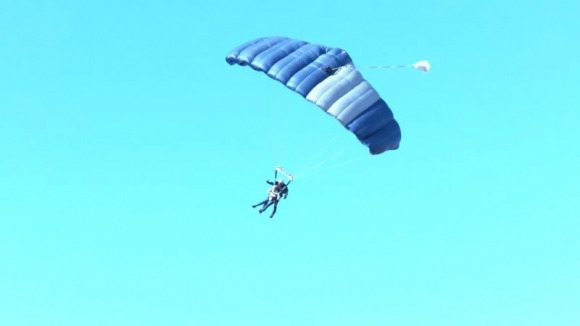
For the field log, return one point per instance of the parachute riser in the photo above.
(289, 176)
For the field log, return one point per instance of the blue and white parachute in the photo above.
(327, 77)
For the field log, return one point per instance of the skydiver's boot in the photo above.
(260, 211)
(271, 215)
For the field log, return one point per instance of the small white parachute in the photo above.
(422, 65)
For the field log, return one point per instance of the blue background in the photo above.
(130, 153)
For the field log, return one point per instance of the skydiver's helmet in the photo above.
(280, 182)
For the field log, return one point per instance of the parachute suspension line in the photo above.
(310, 160)
(279, 144)
(334, 159)
(337, 165)
(317, 166)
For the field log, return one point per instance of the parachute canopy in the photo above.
(327, 77)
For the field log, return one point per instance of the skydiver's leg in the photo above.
(270, 202)
(274, 210)
(267, 204)
(260, 203)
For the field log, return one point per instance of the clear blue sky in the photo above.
(130, 153)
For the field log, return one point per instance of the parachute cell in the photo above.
(327, 77)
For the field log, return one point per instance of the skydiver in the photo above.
(278, 190)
